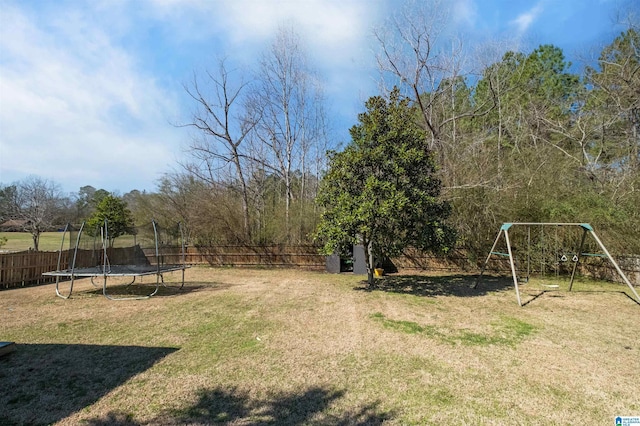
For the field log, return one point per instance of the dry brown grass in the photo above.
(292, 347)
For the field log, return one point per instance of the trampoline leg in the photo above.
(158, 277)
(58, 288)
(104, 292)
(181, 284)
(93, 283)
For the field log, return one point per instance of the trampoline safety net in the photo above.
(109, 251)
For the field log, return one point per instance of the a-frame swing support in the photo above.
(587, 229)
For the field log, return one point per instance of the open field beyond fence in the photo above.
(21, 241)
(293, 347)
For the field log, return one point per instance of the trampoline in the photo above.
(102, 253)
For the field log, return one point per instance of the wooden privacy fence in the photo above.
(26, 268)
(299, 256)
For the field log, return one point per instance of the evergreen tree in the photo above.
(381, 191)
(114, 211)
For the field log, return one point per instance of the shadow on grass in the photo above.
(448, 285)
(220, 406)
(144, 289)
(45, 383)
(564, 293)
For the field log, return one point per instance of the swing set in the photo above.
(556, 258)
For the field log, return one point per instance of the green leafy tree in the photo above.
(525, 153)
(119, 218)
(86, 201)
(615, 99)
(381, 191)
(533, 92)
(611, 119)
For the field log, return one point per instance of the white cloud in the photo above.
(75, 108)
(336, 34)
(524, 21)
(79, 106)
(336, 26)
(250, 21)
(464, 12)
(336, 31)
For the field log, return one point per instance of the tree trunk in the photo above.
(36, 239)
(245, 196)
(368, 244)
(287, 209)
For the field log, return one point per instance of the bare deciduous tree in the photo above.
(415, 57)
(289, 99)
(223, 123)
(39, 205)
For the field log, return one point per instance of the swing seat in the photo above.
(498, 253)
(593, 254)
(551, 285)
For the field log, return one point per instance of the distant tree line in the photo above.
(36, 205)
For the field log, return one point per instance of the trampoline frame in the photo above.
(106, 270)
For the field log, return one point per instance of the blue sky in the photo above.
(89, 89)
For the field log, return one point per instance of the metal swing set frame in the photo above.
(106, 270)
(587, 229)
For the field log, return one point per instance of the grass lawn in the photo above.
(271, 347)
(20, 241)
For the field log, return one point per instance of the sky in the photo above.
(91, 91)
